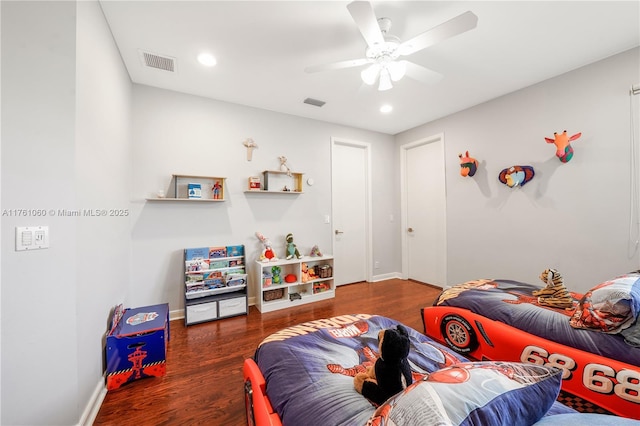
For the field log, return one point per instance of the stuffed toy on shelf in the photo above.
(267, 255)
(315, 251)
(275, 272)
(391, 372)
(308, 274)
(292, 250)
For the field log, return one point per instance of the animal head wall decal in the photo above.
(468, 165)
(516, 175)
(562, 141)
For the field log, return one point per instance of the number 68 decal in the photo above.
(596, 377)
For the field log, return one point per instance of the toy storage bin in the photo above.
(323, 271)
(320, 287)
(274, 294)
(267, 279)
(137, 345)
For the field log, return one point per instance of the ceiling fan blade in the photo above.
(458, 25)
(422, 74)
(362, 13)
(338, 65)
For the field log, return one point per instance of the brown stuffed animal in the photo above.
(391, 372)
(554, 294)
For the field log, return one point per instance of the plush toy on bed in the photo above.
(554, 294)
(391, 372)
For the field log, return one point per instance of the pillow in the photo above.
(475, 393)
(632, 335)
(611, 306)
(581, 419)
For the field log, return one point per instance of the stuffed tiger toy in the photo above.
(554, 294)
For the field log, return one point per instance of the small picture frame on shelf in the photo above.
(254, 183)
(194, 190)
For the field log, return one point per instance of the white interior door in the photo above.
(424, 207)
(351, 195)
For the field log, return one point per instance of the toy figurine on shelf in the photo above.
(275, 272)
(315, 251)
(292, 250)
(217, 187)
(283, 165)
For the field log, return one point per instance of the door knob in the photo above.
(410, 230)
(339, 232)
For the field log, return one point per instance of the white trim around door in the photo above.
(367, 219)
(404, 185)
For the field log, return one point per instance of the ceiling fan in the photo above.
(384, 50)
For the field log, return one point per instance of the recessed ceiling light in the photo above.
(207, 59)
(386, 109)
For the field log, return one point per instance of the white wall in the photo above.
(1, 234)
(184, 134)
(65, 145)
(39, 351)
(102, 181)
(574, 216)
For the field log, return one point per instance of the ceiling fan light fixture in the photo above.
(384, 50)
(385, 80)
(397, 70)
(370, 74)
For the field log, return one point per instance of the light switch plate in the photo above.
(32, 237)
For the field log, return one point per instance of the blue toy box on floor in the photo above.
(137, 344)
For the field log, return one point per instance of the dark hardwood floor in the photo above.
(204, 385)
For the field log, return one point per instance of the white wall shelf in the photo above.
(212, 189)
(272, 179)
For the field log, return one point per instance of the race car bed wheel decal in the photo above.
(458, 334)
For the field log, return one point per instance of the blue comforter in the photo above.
(512, 303)
(309, 368)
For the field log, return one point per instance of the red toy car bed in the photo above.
(502, 320)
(303, 375)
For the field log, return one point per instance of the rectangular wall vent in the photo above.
(160, 62)
(314, 102)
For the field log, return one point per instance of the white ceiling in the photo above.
(262, 48)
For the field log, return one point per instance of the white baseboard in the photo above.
(93, 406)
(389, 276)
(176, 315)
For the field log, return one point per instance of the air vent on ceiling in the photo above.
(314, 102)
(160, 62)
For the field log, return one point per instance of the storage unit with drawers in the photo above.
(215, 283)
